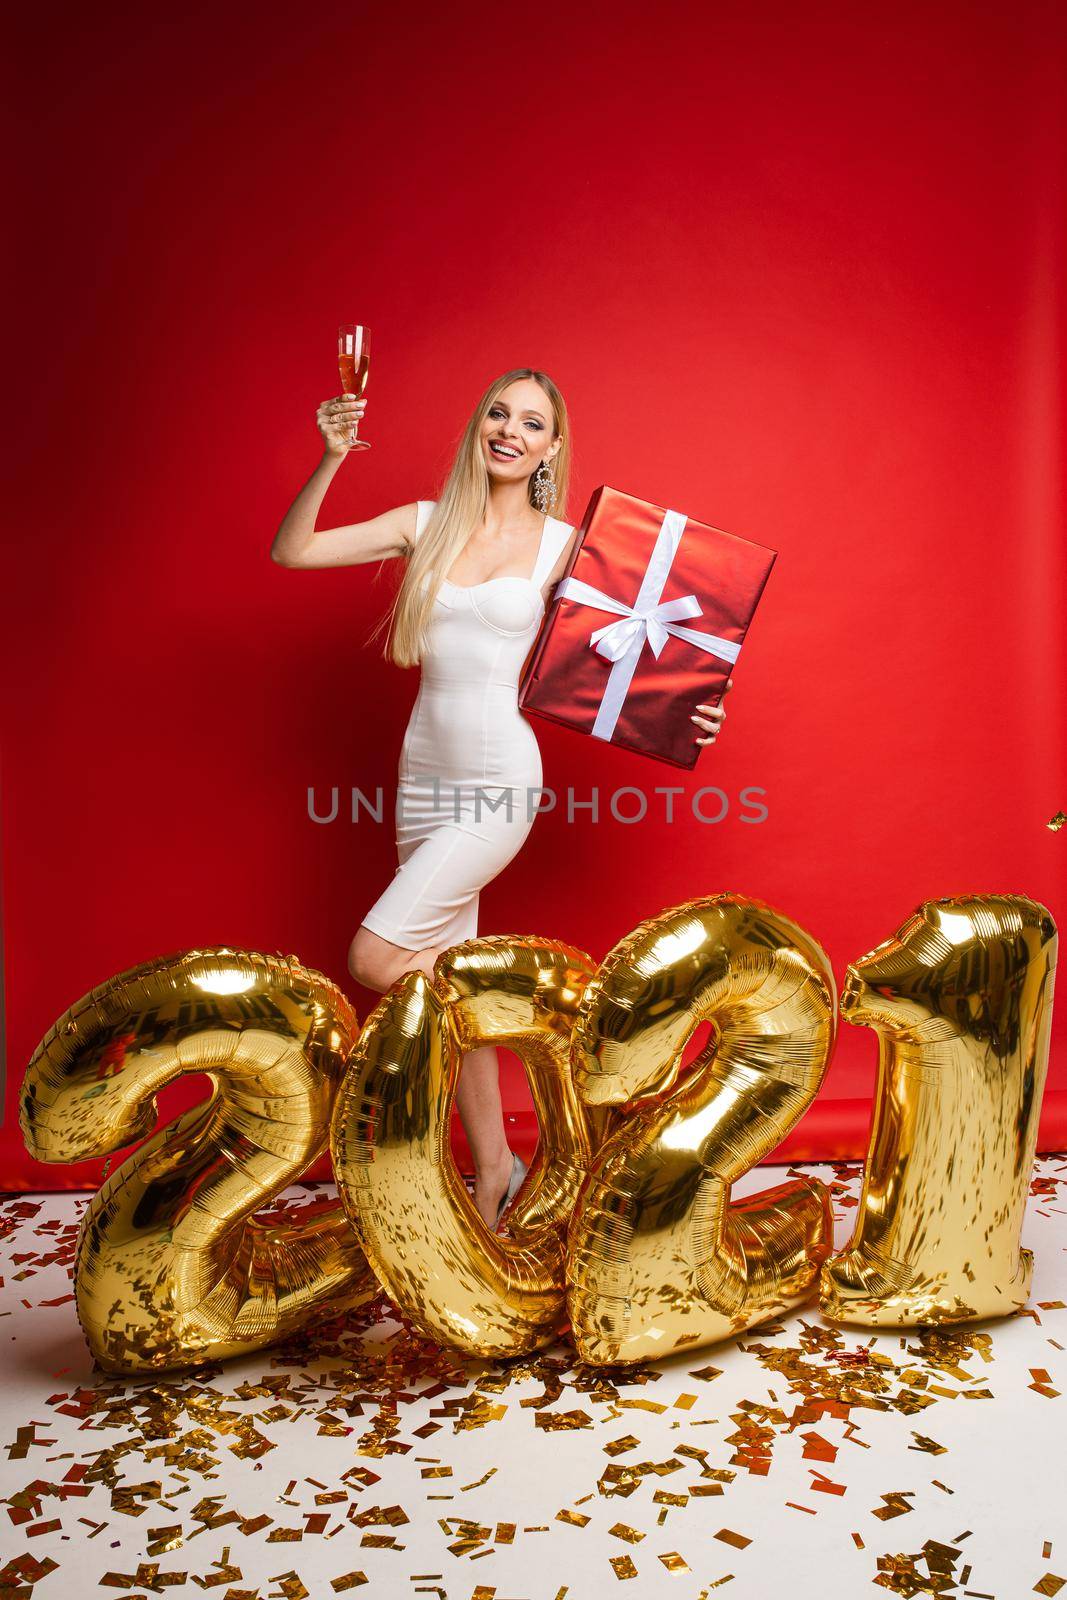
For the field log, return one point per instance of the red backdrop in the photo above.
(796, 272)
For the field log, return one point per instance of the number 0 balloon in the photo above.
(458, 1282)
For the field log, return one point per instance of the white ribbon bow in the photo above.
(648, 618)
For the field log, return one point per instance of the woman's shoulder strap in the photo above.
(423, 514)
(556, 537)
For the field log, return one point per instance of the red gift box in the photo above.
(646, 622)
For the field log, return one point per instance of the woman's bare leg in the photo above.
(482, 1115)
(377, 963)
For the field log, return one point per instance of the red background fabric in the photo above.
(797, 273)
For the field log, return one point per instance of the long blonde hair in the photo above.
(460, 508)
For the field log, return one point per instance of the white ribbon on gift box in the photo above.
(648, 618)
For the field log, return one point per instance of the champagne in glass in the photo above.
(353, 360)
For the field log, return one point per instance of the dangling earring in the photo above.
(544, 488)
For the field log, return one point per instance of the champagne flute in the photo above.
(353, 360)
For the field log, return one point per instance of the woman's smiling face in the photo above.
(517, 431)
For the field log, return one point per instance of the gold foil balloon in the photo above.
(458, 1282)
(172, 1267)
(657, 1258)
(961, 1000)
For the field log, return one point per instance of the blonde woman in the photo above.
(480, 564)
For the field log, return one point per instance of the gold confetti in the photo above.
(161, 1540)
(477, 1484)
(1042, 1383)
(292, 1588)
(381, 1390)
(931, 1446)
(563, 1420)
(728, 1536)
(896, 1505)
(900, 1572)
(395, 1516)
(674, 1562)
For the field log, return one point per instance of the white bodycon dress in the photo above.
(469, 756)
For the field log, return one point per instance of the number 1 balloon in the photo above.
(961, 1000)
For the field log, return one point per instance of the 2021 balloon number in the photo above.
(624, 1231)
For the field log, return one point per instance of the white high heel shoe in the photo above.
(519, 1170)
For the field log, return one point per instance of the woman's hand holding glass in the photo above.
(336, 419)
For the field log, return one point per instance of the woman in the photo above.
(481, 563)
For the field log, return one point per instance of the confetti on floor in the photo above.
(386, 1466)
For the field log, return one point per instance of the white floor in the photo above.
(798, 1461)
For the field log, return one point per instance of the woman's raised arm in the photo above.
(297, 543)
